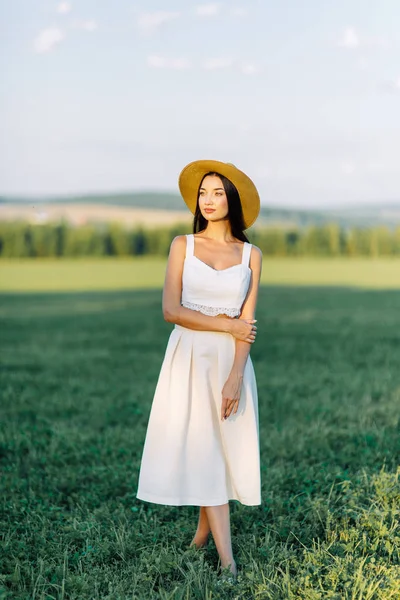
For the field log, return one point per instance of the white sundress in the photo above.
(190, 456)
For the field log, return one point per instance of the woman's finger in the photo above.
(226, 407)
(223, 408)
(232, 407)
(229, 407)
(227, 412)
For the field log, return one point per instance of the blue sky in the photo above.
(303, 95)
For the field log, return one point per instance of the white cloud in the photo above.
(348, 168)
(150, 22)
(249, 68)
(207, 10)
(157, 61)
(349, 38)
(47, 39)
(378, 42)
(239, 12)
(64, 8)
(89, 25)
(392, 86)
(161, 62)
(217, 63)
(214, 64)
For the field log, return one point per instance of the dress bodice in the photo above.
(213, 291)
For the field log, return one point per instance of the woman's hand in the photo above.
(244, 329)
(231, 395)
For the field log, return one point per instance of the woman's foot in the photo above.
(228, 575)
(200, 540)
(229, 570)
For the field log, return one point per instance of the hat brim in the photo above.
(192, 175)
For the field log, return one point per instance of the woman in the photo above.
(202, 445)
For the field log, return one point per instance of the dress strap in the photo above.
(189, 244)
(246, 254)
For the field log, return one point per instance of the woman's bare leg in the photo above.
(203, 529)
(219, 522)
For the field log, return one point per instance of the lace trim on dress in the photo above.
(212, 311)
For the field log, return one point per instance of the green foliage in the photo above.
(78, 377)
(21, 240)
(83, 241)
(272, 242)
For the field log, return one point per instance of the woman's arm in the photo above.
(233, 385)
(174, 312)
(248, 309)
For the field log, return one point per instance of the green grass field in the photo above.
(78, 373)
(144, 273)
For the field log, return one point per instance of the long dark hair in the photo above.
(235, 212)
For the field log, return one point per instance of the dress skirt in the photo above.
(190, 456)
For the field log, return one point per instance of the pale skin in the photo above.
(216, 247)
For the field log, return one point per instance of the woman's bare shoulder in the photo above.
(255, 255)
(179, 240)
(255, 251)
(178, 244)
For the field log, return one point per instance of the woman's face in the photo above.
(213, 202)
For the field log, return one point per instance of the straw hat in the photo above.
(193, 173)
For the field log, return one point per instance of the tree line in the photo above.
(23, 240)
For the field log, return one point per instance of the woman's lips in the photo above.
(209, 210)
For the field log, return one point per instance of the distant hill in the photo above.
(351, 216)
(163, 200)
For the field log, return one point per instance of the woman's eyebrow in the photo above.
(214, 189)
